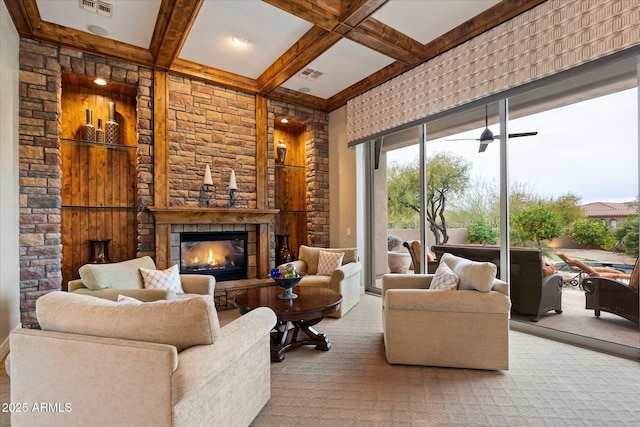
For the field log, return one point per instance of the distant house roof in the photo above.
(607, 210)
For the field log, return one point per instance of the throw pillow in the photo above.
(329, 261)
(123, 299)
(472, 274)
(444, 278)
(119, 275)
(168, 279)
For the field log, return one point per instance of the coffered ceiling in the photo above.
(316, 53)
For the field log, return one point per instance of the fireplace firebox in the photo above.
(221, 254)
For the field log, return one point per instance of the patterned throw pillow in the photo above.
(444, 278)
(168, 279)
(329, 261)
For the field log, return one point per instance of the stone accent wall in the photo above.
(41, 68)
(215, 126)
(317, 148)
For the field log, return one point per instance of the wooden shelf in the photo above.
(291, 185)
(99, 180)
(100, 144)
(98, 207)
(195, 215)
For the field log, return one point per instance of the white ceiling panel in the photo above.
(344, 64)
(426, 20)
(268, 30)
(132, 22)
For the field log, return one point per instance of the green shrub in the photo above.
(589, 231)
(481, 232)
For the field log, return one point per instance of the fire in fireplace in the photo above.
(220, 254)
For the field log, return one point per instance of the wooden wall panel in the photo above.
(291, 185)
(98, 188)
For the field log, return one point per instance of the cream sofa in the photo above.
(163, 363)
(450, 328)
(123, 278)
(345, 279)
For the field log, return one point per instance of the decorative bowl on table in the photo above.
(287, 284)
(286, 278)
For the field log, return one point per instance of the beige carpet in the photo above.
(549, 384)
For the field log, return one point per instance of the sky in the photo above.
(589, 149)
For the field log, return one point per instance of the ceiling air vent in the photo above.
(97, 6)
(310, 74)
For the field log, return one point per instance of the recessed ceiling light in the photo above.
(305, 89)
(284, 120)
(98, 30)
(100, 82)
(239, 41)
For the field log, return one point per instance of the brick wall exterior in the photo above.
(41, 68)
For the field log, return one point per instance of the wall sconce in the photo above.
(205, 189)
(233, 189)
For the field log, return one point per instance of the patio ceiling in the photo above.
(349, 46)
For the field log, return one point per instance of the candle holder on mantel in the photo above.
(205, 189)
(233, 189)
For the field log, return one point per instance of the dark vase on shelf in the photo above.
(99, 251)
(88, 131)
(283, 253)
(112, 127)
(99, 132)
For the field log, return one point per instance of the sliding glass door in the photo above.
(552, 170)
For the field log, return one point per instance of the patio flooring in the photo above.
(578, 320)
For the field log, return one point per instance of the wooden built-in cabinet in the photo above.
(99, 180)
(291, 185)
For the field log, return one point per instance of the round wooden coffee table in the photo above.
(312, 305)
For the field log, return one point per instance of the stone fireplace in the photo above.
(222, 254)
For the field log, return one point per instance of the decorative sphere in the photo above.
(275, 273)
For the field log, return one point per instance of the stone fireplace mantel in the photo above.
(195, 215)
(165, 217)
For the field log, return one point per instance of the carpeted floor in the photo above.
(549, 384)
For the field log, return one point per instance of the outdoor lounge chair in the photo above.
(591, 271)
(613, 295)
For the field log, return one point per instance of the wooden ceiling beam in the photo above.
(214, 75)
(174, 23)
(319, 13)
(23, 14)
(315, 42)
(358, 11)
(299, 98)
(387, 41)
(90, 43)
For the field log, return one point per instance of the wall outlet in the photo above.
(348, 232)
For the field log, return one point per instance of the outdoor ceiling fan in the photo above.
(487, 136)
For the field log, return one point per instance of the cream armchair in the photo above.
(451, 328)
(123, 278)
(162, 363)
(345, 279)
